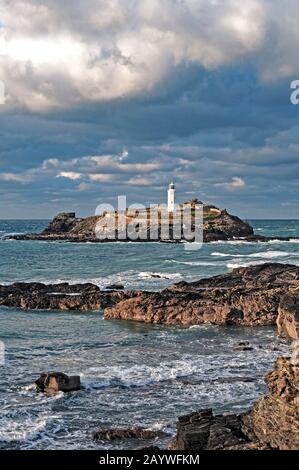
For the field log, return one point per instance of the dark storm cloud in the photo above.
(145, 92)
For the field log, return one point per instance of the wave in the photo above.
(243, 264)
(23, 430)
(263, 254)
(197, 263)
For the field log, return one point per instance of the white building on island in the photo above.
(171, 197)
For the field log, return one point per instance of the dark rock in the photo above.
(62, 296)
(61, 223)
(115, 287)
(246, 296)
(126, 433)
(54, 382)
(243, 346)
(288, 316)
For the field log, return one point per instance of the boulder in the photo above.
(204, 431)
(54, 382)
(115, 287)
(288, 316)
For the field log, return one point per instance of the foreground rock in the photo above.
(126, 433)
(63, 296)
(272, 423)
(54, 382)
(246, 296)
(288, 316)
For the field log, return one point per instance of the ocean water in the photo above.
(132, 373)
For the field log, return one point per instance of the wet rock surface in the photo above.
(272, 423)
(246, 296)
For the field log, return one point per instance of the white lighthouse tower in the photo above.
(171, 198)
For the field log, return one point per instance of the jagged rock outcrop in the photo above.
(62, 296)
(246, 296)
(225, 226)
(62, 223)
(54, 382)
(272, 423)
(288, 316)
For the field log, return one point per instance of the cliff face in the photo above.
(272, 423)
(246, 296)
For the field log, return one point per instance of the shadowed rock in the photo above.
(126, 433)
(54, 382)
(288, 316)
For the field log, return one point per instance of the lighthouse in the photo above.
(171, 198)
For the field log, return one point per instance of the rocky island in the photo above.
(259, 295)
(217, 225)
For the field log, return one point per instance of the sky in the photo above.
(120, 97)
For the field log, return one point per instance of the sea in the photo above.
(133, 374)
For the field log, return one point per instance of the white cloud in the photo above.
(234, 184)
(71, 175)
(17, 178)
(101, 178)
(237, 183)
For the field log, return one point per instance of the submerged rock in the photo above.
(115, 287)
(272, 423)
(126, 433)
(54, 382)
(247, 296)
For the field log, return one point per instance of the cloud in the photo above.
(71, 175)
(237, 183)
(101, 178)
(17, 178)
(54, 55)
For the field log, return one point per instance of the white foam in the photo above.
(198, 263)
(24, 430)
(263, 254)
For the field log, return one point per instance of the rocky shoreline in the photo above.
(251, 296)
(259, 295)
(271, 424)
